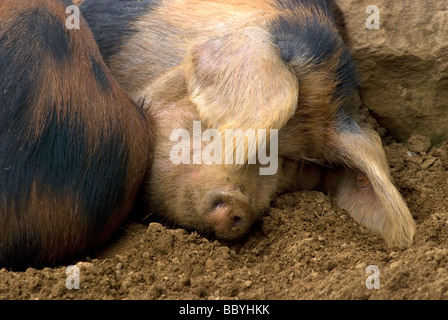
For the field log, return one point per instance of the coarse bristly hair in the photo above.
(73, 147)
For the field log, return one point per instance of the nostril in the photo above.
(237, 221)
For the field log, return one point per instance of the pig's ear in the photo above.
(240, 81)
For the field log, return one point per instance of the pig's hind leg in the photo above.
(363, 184)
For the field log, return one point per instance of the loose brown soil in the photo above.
(303, 248)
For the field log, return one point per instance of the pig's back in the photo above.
(143, 40)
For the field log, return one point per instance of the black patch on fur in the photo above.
(100, 74)
(110, 21)
(38, 24)
(313, 42)
(346, 124)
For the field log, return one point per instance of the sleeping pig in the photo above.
(273, 77)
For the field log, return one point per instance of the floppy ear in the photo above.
(365, 187)
(239, 81)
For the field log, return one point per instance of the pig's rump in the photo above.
(73, 146)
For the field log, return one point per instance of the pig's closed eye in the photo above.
(218, 203)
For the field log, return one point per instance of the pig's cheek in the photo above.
(196, 174)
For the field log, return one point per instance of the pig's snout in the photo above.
(230, 214)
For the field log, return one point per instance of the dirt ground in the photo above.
(303, 248)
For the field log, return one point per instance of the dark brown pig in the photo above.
(74, 148)
(275, 65)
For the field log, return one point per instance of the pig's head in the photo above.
(223, 199)
(238, 81)
(217, 198)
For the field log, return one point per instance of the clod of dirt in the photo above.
(419, 144)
